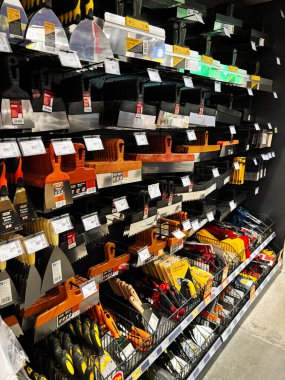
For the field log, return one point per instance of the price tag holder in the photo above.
(9, 149)
(112, 66)
(121, 204)
(154, 75)
(233, 129)
(255, 161)
(278, 61)
(247, 147)
(273, 154)
(141, 138)
(61, 224)
(186, 181)
(227, 32)
(256, 191)
(10, 249)
(282, 13)
(195, 225)
(186, 225)
(191, 135)
(32, 147)
(143, 255)
(89, 288)
(69, 59)
(256, 126)
(264, 157)
(154, 191)
(4, 43)
(63, 147)
(178, 234)
(253, 45)
(275, 95)
(90, 221)
(269, 125)
(93, 143)
(232, 205)
(188, 82)
(236, 165)
(250, 92)
(35, 242)
(210, 216)
(218, 87)
(215, 172)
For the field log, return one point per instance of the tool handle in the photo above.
(89, 373)
(80, 365)
(95, 336)
(136, 305)
(67, 368)
(133, 293)
(3, 180)
(137, 8)
(110, 251)
(111, 325)
(99, 312)
(89, 9)
(14, 166)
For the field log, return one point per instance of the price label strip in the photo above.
(121, 204)
(32, 147)
(35, 242)
(141, 138)
(69, 59)
(61, 224)
(93, 143)
(9, 149)
(10, 250)
(91, 221)
(63, 147)
(154, 75)
(154, 191)
(112, 66)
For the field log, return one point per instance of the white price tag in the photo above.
(61, 224)
(195, 225)
(233, 129)
(282, 13)
(154, 75)
(247, 147)
(232, 205)
(250, 92)
(188, 82)
(269, 125)
(35, 242)
(236, 165)
(127, 352)
(227, 31)
(191, 135)
(154, 190)
(255, 161)
(69, 59)
(253, 45)
(226, 180)
(32, 147)
(5, 292)
(141, 138)
(256, 191)
(56, 271)
(278, 61)
(210, 216)
(256, 126)
(143, 255)
(199, 17)
(4, 43)
(273, 154)
(121, 204)
(153, 322)
(93, 143)
(261, 42)
(178, 234)
(63, 147)
(90, 221)
(9, 149)
(218, 87)
(186, 181)
(186, 225)
(215, 172)
(275, 130)
(88, 289)
(112, 66)
(264, 157)
(275, 95)
(10, 250)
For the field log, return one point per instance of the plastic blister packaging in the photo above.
(12, 355)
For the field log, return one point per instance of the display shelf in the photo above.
(228, 332)
(146, 363)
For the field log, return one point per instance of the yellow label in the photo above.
(255, 77)
(225, 273)
(104, 361)
(177, 60)
(138, 24)
(132, 42)
(13, 14)
(252, 292)
(207, 300)
(207, 59)
(233, 69)
(136, 374)
(195, 313)
(181, 50)
(49, 27)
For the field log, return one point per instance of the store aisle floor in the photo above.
(257, 350)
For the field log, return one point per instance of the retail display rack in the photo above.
(130, 148)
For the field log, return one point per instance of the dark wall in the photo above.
(271, 199)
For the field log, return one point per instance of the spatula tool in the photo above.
(21, 202)
(13, 20)
(16, 107)
(45, 31)
(8, 292)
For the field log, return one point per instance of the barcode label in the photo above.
(5, 292)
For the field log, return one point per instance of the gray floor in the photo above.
(257, 350)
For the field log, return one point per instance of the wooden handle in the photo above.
(133, 293)
(136, 305)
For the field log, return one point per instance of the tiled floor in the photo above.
(257, 350)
